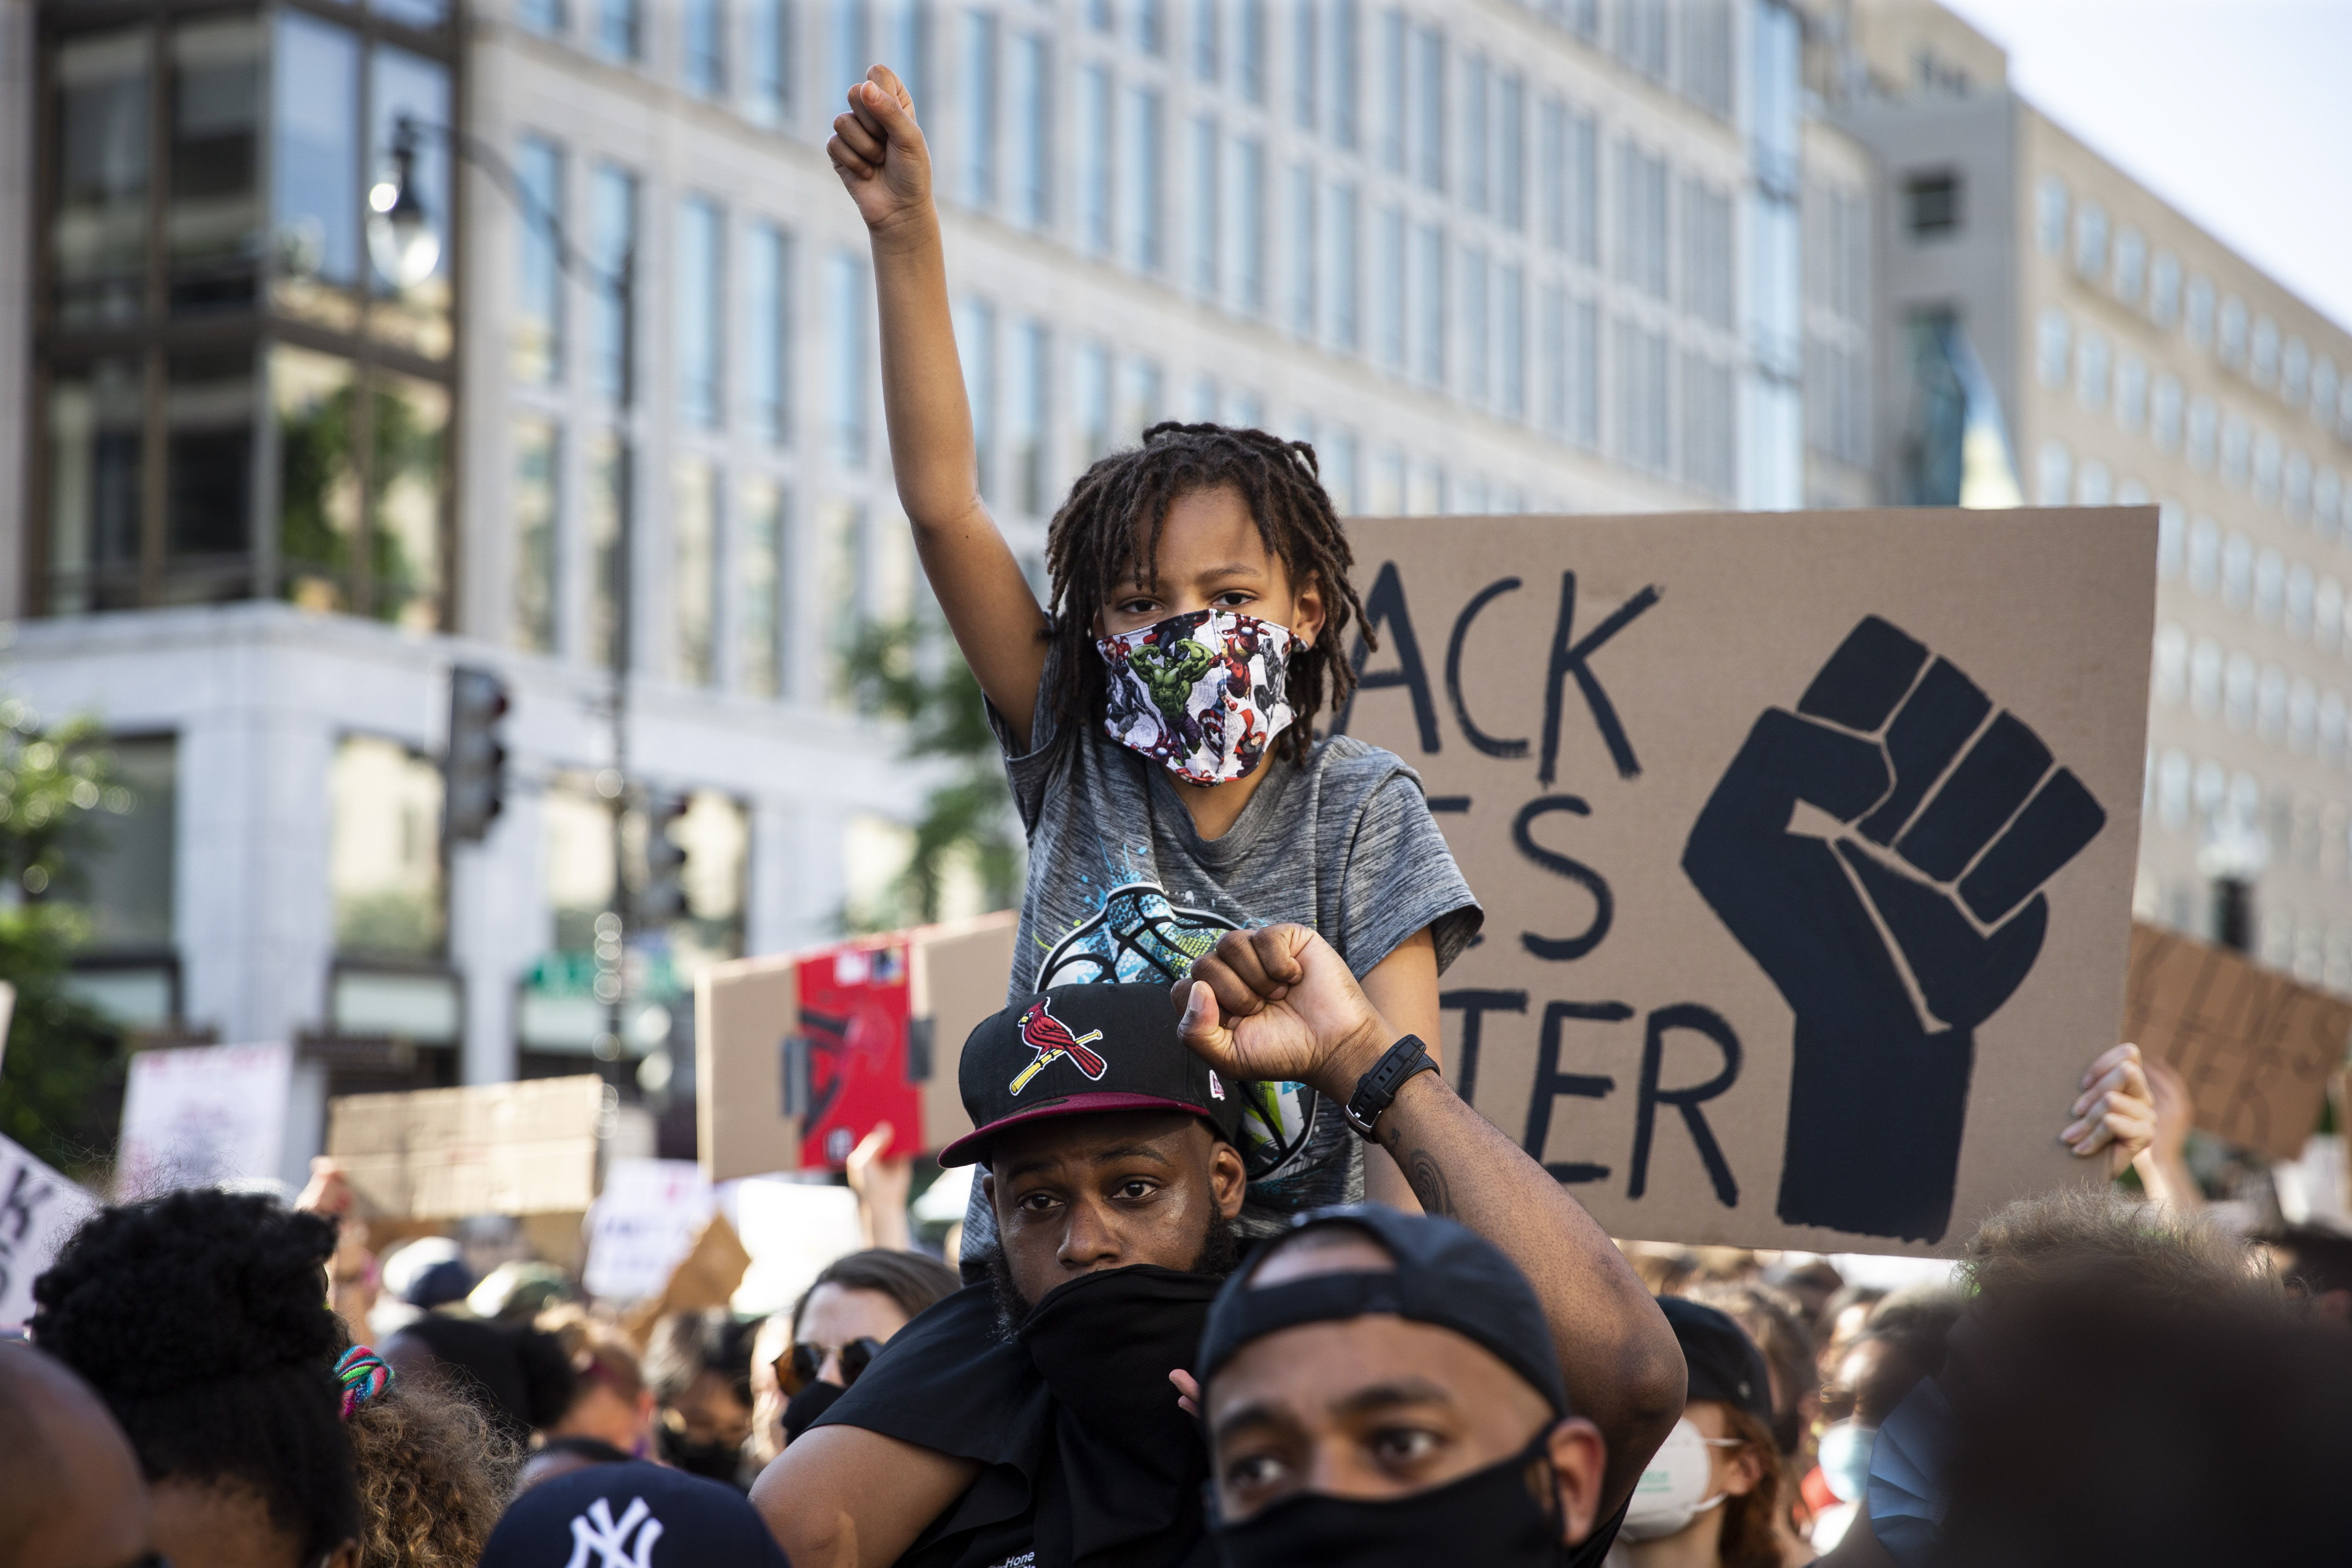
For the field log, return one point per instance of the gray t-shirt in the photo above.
(1123, 887)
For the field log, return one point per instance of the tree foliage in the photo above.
(62, 1074)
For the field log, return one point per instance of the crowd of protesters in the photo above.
(1415, 1347)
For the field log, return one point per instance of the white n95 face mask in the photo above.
(1673, 1489)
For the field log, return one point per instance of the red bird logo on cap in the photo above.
(1049, 1037)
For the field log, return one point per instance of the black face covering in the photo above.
(808, 1404)
(716, 1461)
(1500, 1517)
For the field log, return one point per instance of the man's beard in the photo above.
(1221, 1251)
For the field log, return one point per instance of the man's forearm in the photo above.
(1623, 1369)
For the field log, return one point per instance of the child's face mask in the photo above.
(1204, 693)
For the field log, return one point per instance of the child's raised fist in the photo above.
(880, 153)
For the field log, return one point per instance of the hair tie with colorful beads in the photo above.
(363, 1375)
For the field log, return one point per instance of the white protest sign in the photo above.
(641, 1226)
(792, 1229)
(39, 1209)
(208, 1113)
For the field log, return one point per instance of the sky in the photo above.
(2238, 113)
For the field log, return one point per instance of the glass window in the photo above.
(2327, 500)
(2131, 265)
(1245, 190)
(2049, 213)
(1206, 206)
(1338, 454)
(706, 47)
(2231, 337)
(539, 289)
(980, 108)
(610, 499)
(2267, 462)
(1302, 250)
(2204, 556)
(1142, 181)
(1554, 361)
(2204, 428)
(1478, 325)
(847, 312)
(1931, 204)
(2164, 289)
(1390, 287)
(2091, 371)
(409, 422)
(1710, 461)
(1429, 107)
(701, 313)
(2091, 240)
(315, 172)
(694, 569)
(98, 237)
(1343, 324)
(209, 474)
(612, 241)
(1032, 130)
(2051, 335)
(128, 871)
(412, 12)
(95, 473)
(759, 632)
(1511, 151)
(852, 37)
(541, 15)
(2163, 408)
(1393, 90)
(2171, 527)
(2200, 313)
(1304, 57)
(1090, 395)
(2095, 486)
(2237, 440)
(1428, 283)
(1249, 47)
(2263, 355)
(2295, 487)
(2053, 473)
(616, 28)
(384, 856)
(2131, 392)
(1641, 396)
(1206, 60)
(768, 333)
(1511, 331)
(2323, 390)
(1642, 223)
(403, 85)
(1707, 255)
(1346, 32)
(975, 338)
(213, 218)
(769, 65)
(318, 477)
(2237, 569)
(1151, 26)
(2294, 372)
(1139, 397)
(907, 49)
(1027, 411)
(1478, 132)
(534, 511)
(1094, 152)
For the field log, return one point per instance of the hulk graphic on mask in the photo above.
(1170, 672)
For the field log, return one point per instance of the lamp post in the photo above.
(2231, 859)
(405, 248)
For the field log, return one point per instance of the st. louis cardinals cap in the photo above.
(1078, 1049)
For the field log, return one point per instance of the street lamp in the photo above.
(2233, 857)
(406, 250)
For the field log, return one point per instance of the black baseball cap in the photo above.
(633, 1512)
(1444, 1276)
(1078, 1049)
(1724, 1365)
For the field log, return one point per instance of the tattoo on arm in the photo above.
(1421, 1169)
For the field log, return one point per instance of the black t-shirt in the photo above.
(1085, 1459)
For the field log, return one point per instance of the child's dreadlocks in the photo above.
(1110, 528)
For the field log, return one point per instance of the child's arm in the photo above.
(880, 153)
(1403, 986)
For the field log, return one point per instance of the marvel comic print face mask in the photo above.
(1203, 694)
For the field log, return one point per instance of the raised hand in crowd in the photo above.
(2163, 1164)
(1278, 1003)
(881, 1186)
(2115, 1116)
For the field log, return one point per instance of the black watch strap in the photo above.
(1376, 1090)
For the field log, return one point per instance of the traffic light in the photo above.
(663, 898)
(476, 772)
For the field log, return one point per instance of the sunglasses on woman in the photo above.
(798, 1369)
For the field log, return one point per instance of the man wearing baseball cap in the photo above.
(631, 1514)
(1031, 1420)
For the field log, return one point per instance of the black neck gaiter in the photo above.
(1131, 1462)
(1500, 1517)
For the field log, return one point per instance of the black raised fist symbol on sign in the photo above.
(1879, 852)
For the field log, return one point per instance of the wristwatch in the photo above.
(1376, 1090)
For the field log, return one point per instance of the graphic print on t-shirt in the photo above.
(1138, 934)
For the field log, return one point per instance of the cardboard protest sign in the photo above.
(705, 1278)
(799, 1056)
(38, 1210)
(492, 1148)
(1805, 842)
(203, 1115)
(2256, 1048)
(791, 1228)
(643, 1223)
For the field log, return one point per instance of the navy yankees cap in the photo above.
(632, 1515)
(1444, 1276)
(1079, 1049)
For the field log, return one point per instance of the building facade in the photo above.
(2134, 358)
(610, 402)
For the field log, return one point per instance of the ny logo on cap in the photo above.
(596, 1531)
(1050, 1038)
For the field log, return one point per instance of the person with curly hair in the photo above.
(201, 1319)
(435, 1472)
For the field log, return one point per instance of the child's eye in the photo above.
(1233, 598)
